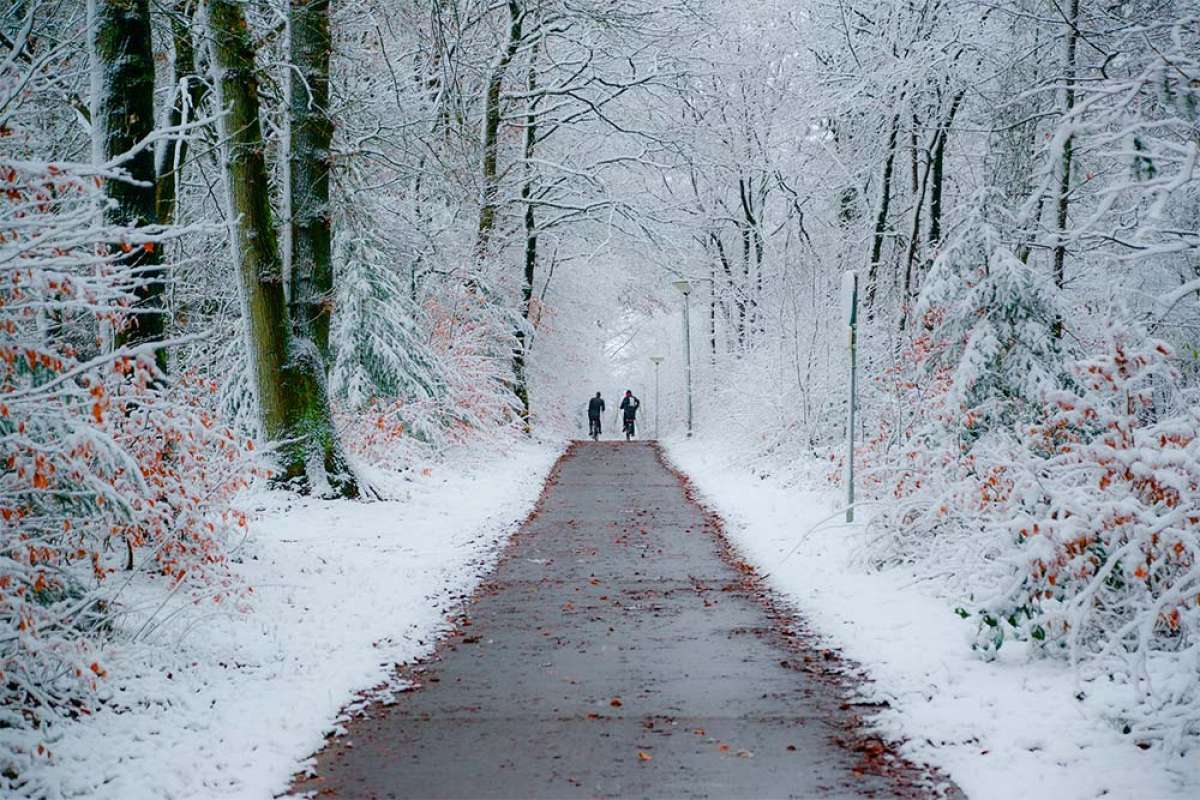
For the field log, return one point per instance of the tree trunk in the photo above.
(937, 167)
(753, 225)
(730, 329)
(743, 289)
(311, 129)
(913, 239)
(521, 352)
(1064, 164)
(122, 116)
(885, 199)
(189, 95)
(491, 130)
(712, 318)
(286, 369)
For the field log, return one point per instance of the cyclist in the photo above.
(629, 405)
(595, 409)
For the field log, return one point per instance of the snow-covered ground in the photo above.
(222, 704)
(1006, 729)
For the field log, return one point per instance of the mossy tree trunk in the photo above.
(122, 116)
(310, 163)
(287, 369)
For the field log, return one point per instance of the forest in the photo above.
(303, 246)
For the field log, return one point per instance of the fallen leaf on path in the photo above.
(644, 756)
(724, 748)
(615, 702)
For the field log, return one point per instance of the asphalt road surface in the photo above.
(618, 650)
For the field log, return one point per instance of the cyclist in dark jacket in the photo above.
(595, 409)
(629, 405)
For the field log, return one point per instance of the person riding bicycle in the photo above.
(629, 405)
(595, 409)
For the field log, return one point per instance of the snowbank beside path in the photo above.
(228, 705)
(1010, 728)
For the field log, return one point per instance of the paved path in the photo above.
(614, 652)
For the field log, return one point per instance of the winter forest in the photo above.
(262, 260)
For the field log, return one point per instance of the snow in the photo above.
(226, 704)
(994, 728)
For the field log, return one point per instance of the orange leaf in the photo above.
(644, 756)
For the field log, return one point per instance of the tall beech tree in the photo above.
(122, 119)
(286, 365)
(311, 298)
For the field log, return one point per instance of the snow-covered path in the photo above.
(228, 705)
(617, 652)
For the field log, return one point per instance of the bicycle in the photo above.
(594, 429)
(629, 430)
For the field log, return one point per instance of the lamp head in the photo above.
(683, 286)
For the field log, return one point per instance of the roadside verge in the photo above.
(997, 729)
(225, 702)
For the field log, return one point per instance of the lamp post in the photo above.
(686, 289)
(656, 360)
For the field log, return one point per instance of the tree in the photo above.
(311, 141)
(188, 93)
(122, 123)
(287, 367)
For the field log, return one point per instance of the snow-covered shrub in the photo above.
(979, 368)
(107, 467)
(1103, 527)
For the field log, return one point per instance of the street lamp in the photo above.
(656, 360)
(686, 289)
